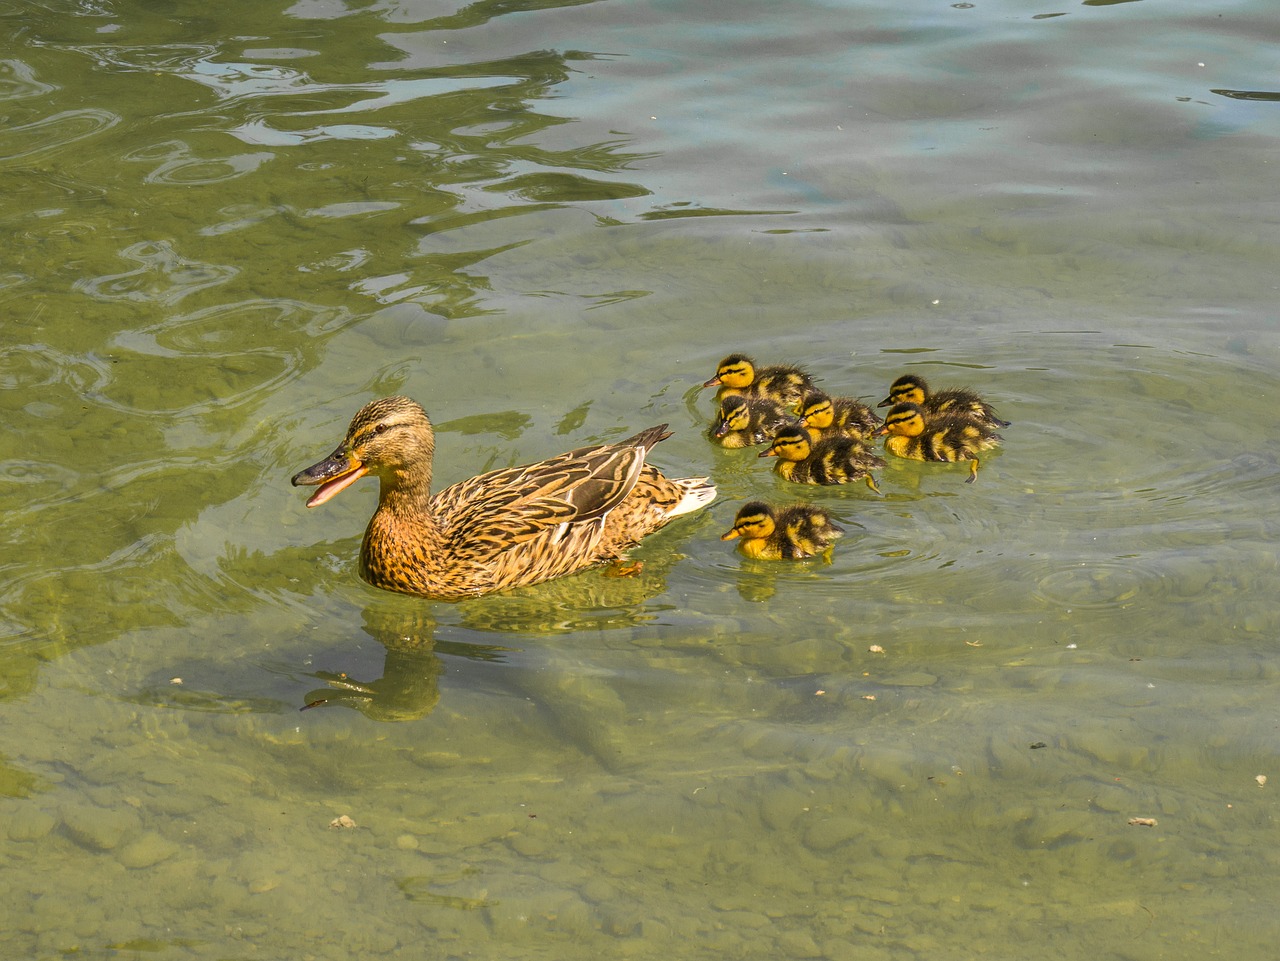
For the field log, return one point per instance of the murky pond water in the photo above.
(1040, 709)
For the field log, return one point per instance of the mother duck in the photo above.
(503, 529)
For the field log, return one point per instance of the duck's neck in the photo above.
(403, 541)
(406, 494)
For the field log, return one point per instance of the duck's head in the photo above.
(735, 414)
(907, 389)
(754, 520)
(736, 371)
(817, 410)
(790, 443)
(390, 438)
(906, 420)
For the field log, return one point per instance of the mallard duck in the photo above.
(911, 389)
(782, 383)
(783, 534)
(826, 416)
(949, 437)
(503, 529)
(747, 421)
(832, 460)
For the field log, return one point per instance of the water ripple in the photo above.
(178, 165)
(31, 366)
(54, 132)
(162, 277)
(18, 81)
(200, 362)
(1095, 584)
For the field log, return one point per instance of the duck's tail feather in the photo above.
(696, 492)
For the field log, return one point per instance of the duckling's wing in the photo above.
(504, 508)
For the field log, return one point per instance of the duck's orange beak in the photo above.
(335, 473)
(729, 535)
(713, 382)
(768, 453)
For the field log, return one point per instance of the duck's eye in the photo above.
(381, 428)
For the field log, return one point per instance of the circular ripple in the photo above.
(33, 366)
(1093, 585)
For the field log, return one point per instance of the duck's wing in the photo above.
(504, 508)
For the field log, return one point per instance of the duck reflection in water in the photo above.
(408, 688)
(407, 628)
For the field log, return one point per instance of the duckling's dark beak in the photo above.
(768, 453)
(721, 429)
(886, 402)
(881, 430)
(335, 473)
(713, 382)
(729, 535)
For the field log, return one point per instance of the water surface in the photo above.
(230, 226)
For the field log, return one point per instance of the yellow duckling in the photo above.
(783, 534)
(784, 384)
(832, 460)
(503, 529)
(911, 389)
(909, 433)
(747, 421)
(825, 416)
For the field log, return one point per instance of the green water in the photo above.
(229, 226)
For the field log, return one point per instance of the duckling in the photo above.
(949, 437)
(747, 421)
(783, 383)
(911, 389)
(825, 416)
(832, 460)
(783, 534)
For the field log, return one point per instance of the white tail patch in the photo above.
(698, 492)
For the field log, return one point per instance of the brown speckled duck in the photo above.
(503, 529)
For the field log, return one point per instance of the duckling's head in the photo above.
(905, 420)
(735, 414)
(790, 443)
(817, 410)
(907, 389)
(754, 520)
(390, 438)
(736, 371)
